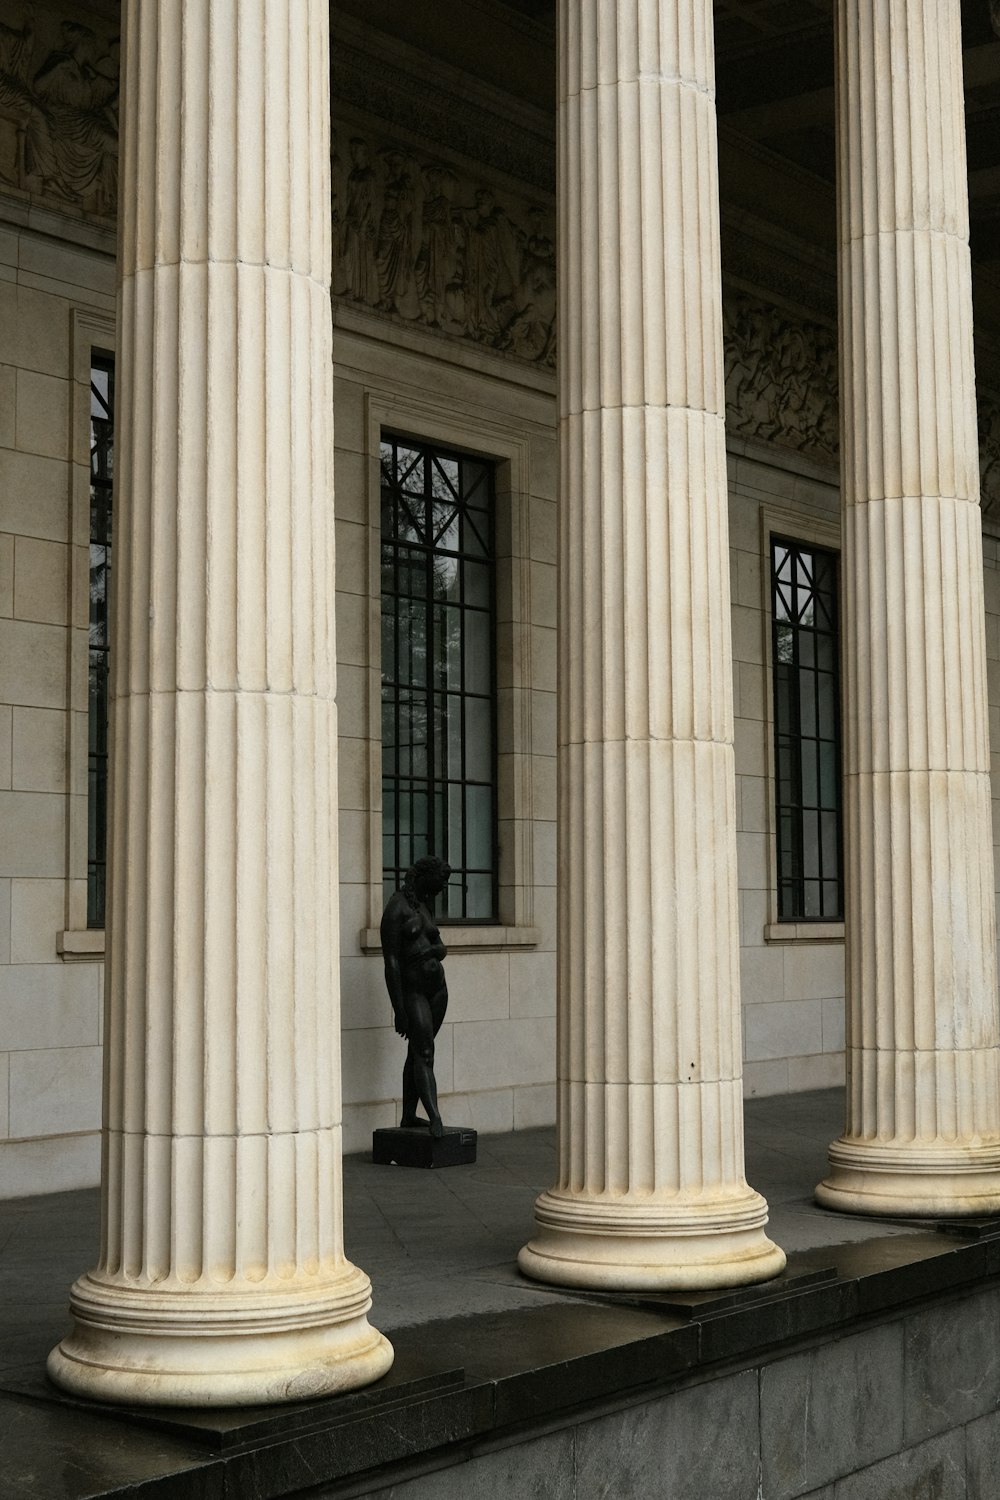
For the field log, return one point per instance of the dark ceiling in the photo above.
(774, 75)
(775, 86)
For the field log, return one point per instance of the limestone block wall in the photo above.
(495, 1058)
(56, 302)
(792, 976)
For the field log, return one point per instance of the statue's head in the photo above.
(427, 877)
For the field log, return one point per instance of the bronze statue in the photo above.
(414, 976)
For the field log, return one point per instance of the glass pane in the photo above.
(478, 739)
(475, 486)
(455, 907)
(388, 647)
(444, 478)
(412, 748)
(456, 825)
(453, 647)
(810, 789)
(410, 468)
(447, 572)
(476, 581)
(456, 739)
(479, 897)
(830, 859)
(807, 703)
(828, 775)
(810, 844)
(827, 705)
(478, 662)
(475, 534)
(444, 526)
(479, 828)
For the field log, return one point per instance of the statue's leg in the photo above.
(410, 1095)
(421, 1034)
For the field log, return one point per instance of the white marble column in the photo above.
(222, 1278)
(651, 1189)
(923, 1122)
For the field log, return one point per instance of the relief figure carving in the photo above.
(989, 452)
(781, 377)
(59, 109)
(418, 242)
(359, 226)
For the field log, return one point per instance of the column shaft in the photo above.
(651, 1189)
(222, 1278)
(923, 1107)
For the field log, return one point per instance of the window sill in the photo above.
(804, 932)
(85, 944)
(468, 939)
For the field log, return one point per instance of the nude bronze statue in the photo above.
(414, 976)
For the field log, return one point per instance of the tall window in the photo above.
(806, 732)
(438, 674)
(102, 449)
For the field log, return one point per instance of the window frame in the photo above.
(90, 331)
(97, 759)
(807, 528)
(508, 445)
(797, 807)
(436, 453)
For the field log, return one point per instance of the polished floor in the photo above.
(491, 1348)
(435, 1244)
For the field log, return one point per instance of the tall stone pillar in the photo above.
(651, 1189)
(222, 1278)
(923, 1122)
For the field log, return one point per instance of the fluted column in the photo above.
(651, 1189)
(222, 1278)
(923, 1123)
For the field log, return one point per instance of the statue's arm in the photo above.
(391, 934)
(394, 984)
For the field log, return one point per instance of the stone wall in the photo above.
(792, 974)
(56, 301)
(902, 1409)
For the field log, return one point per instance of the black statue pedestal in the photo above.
(414, 1146)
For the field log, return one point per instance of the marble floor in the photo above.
(440, 1248)
(435, 1244)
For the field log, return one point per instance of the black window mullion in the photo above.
(99, 643)
(802, 896)
(442, 546)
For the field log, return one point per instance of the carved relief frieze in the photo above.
(423, 241)
(989, 452)
(59, 107)
(781, 377)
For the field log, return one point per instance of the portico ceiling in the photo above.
(775, 76)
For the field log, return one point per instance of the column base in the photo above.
(630, 1245)
(156, 1347)
(911, 1181)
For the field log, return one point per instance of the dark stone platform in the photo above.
(504, 1386)
(414, 1146)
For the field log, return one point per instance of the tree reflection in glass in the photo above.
(438, 671)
